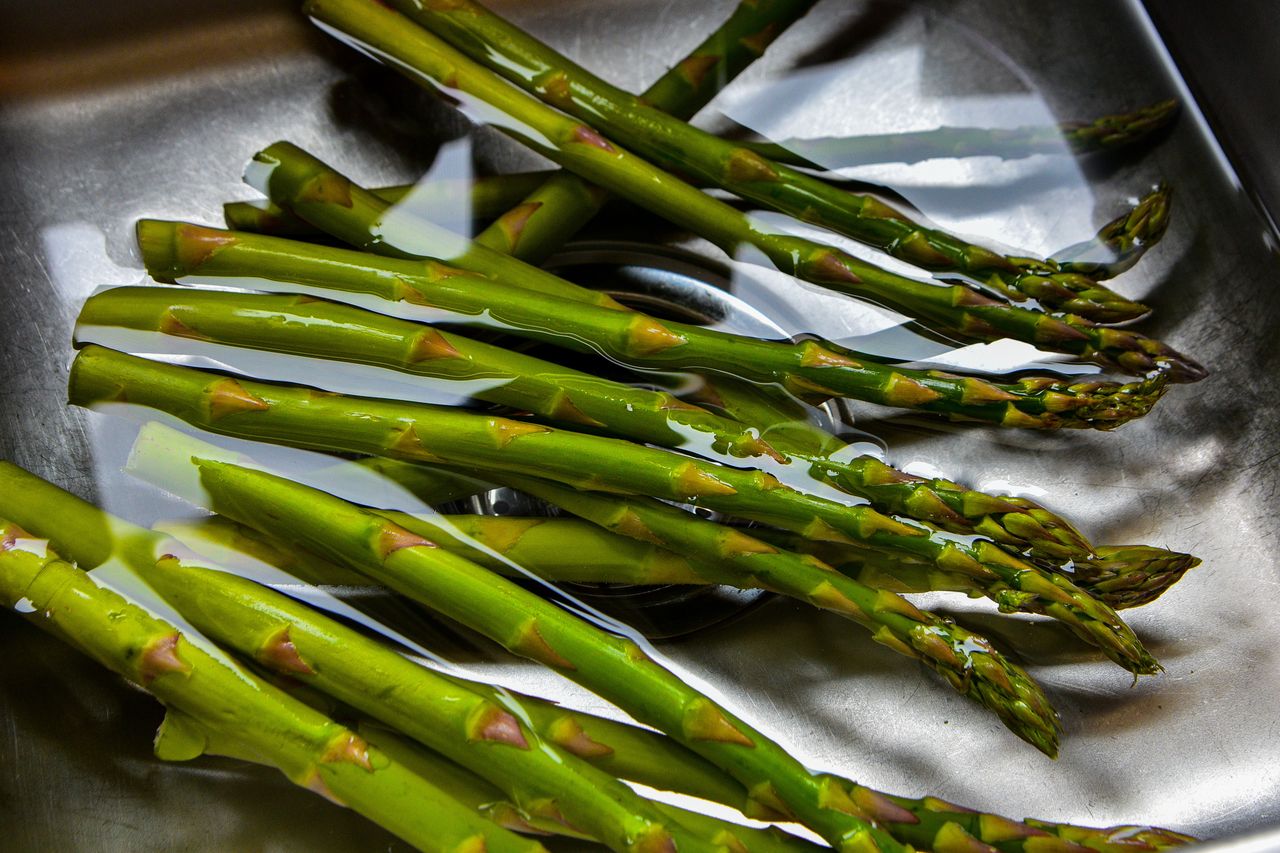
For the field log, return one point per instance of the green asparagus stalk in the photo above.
(926, 822)
(1121, 575)
(414, 432)
(548, 217)
(674, 144)
(490, 196)
(214, 707)
(1108, 133)
(955, 308)
(1123, 240)
(616, 669)
(176, 251)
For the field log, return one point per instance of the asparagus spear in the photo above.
(1108, 133)
(552, 214)
(1018, 524)
(214, 707)
(1123, 240)
(414, 432)
(176, 251)
(504, 49)
(489, 196)
(955, 308)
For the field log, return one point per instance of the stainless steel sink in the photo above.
(112, 111)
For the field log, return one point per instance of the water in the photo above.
(842, 704)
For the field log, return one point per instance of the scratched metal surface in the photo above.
(112, 111)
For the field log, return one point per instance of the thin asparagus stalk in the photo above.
(1108, 133)
(955, 308)
(548, 217)
(489, 196)
(175, 251)
(505, 50)
(923, 821)
(1123, 240)
(1018, 524)
(216, 708)
(414, 432)
(1120, 575)
(305, 326)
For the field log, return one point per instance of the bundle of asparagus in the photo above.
(797, 511)
(495, 735)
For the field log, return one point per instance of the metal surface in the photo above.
(113, 111)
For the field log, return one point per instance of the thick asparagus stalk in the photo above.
(176, 251)
(954, 308)
(674, 144)
(214, 707)
(489, 196)
(552, 214)
(1121, 242)
(414, 432)
(1108, 133)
